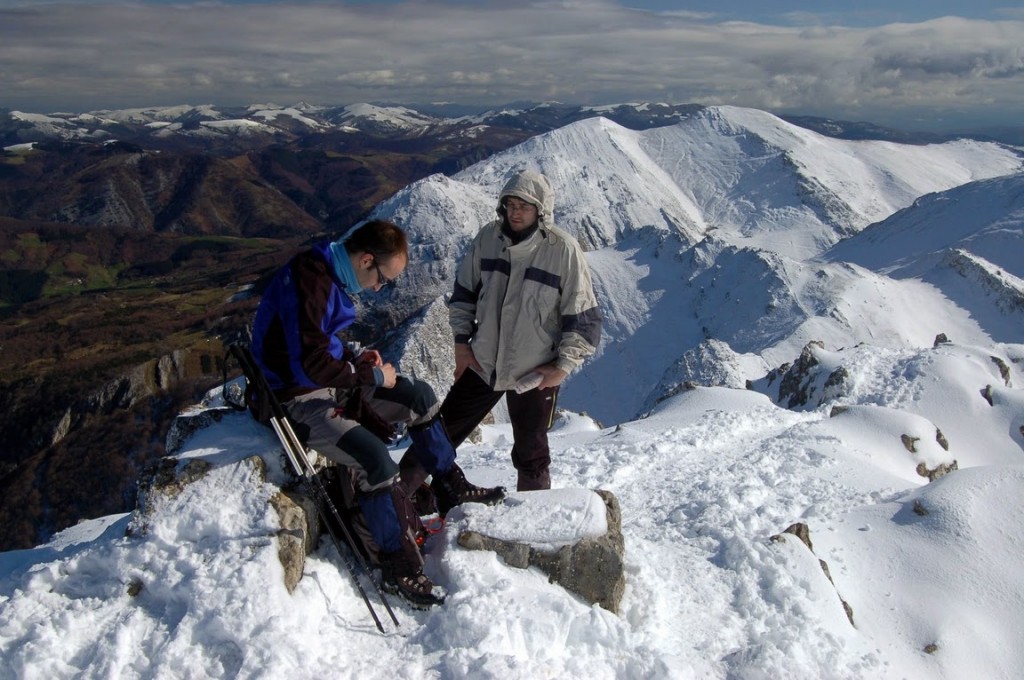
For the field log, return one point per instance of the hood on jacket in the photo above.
(532, 187)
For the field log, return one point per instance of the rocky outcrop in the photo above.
(300, 527)
(938, 471)
(299, 521)
(804, 383)
(593, 567)
(143, 381)
(168, 478)
(1004, 370)
(1007, 289)
(802, 532)
(187, 424)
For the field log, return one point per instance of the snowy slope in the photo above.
(984, 217)
(928, 570)
(966, 243)
(790, 190)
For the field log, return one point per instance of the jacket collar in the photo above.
(518, 237)
(341, 266)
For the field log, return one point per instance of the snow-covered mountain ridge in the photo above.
(273, 121)
(733, 210)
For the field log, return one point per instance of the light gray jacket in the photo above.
(523, 305)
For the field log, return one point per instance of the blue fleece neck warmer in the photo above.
(343, 267)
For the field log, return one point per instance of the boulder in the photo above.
(299, 520)
(187, 424)
(590, 564)
(300, 527)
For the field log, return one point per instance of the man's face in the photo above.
(521, 215)
(376, 274)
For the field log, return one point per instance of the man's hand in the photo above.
(464, 358)
(390, 375)
(369, 356)
(553, 376)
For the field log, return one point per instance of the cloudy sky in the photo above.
(915, 64)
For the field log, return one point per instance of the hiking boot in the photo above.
(453, 489)
(417, 589)
(402, 575)
(539, 482)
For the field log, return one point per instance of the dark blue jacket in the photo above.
(295, 334)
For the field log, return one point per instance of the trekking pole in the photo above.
(296, 453)
(324, 500)
(285, 434)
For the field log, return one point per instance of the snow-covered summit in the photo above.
(273, 112)
(715, 588)
(385, 117)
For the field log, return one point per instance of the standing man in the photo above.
(348, 401)
(523, 306)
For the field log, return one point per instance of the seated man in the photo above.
(348, 400)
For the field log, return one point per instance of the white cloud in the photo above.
(87, 55)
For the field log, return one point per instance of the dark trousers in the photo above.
(385, 504)
(531, 413)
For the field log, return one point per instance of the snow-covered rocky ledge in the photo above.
(572, 535)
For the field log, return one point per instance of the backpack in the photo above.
(246, 396)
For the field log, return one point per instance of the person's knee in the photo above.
(369, 453)
(424, 400)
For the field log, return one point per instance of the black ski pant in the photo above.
(385, 504)
(531, 413)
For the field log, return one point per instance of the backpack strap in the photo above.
(256, 396)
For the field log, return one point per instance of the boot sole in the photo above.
(414, 600)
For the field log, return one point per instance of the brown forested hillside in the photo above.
(105, 335)
(122, 271)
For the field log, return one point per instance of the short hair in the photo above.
(380, 238)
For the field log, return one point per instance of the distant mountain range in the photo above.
(206, 126)
(211, 127)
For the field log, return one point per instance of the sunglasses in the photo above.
(382, 281)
